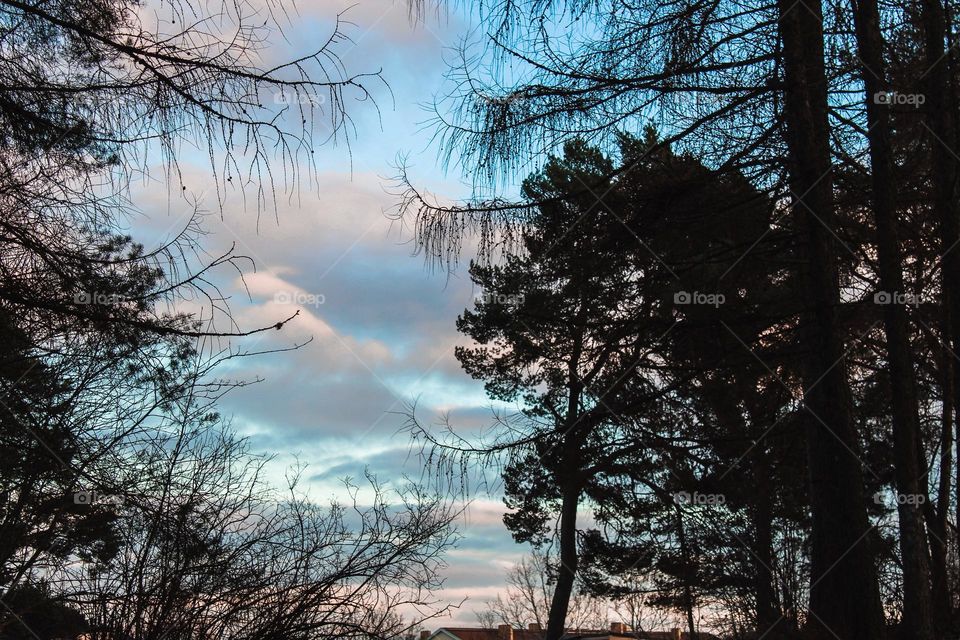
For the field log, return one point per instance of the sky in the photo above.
(382, 323)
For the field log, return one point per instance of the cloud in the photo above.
(380, 326)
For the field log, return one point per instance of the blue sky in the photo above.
(381, 322)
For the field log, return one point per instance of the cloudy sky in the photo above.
(381, 322)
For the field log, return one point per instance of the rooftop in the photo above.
(617, 631)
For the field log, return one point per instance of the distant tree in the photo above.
(528, 594)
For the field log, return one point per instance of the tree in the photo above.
(579, 328)
(529, 591)
(124, 492)
(918, 614)
(40, 520)
(208, 548)
(563, 330)
(31, 612)
(766, 91)
(729, 433)
(91, 92)
(940, 72)
(844, 597)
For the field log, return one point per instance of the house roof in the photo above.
(631, 635)
(474, 633)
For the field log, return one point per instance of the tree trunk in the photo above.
(568, 562)
(939, 115)
(570, 486)
(844, 595)
(936, 510)
(917, 610)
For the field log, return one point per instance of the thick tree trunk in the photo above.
(844, 595)
(939, 119)
(567, 573)
(917, 610)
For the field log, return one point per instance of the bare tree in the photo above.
(529, 592)
(206, 548)
(93, 95)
